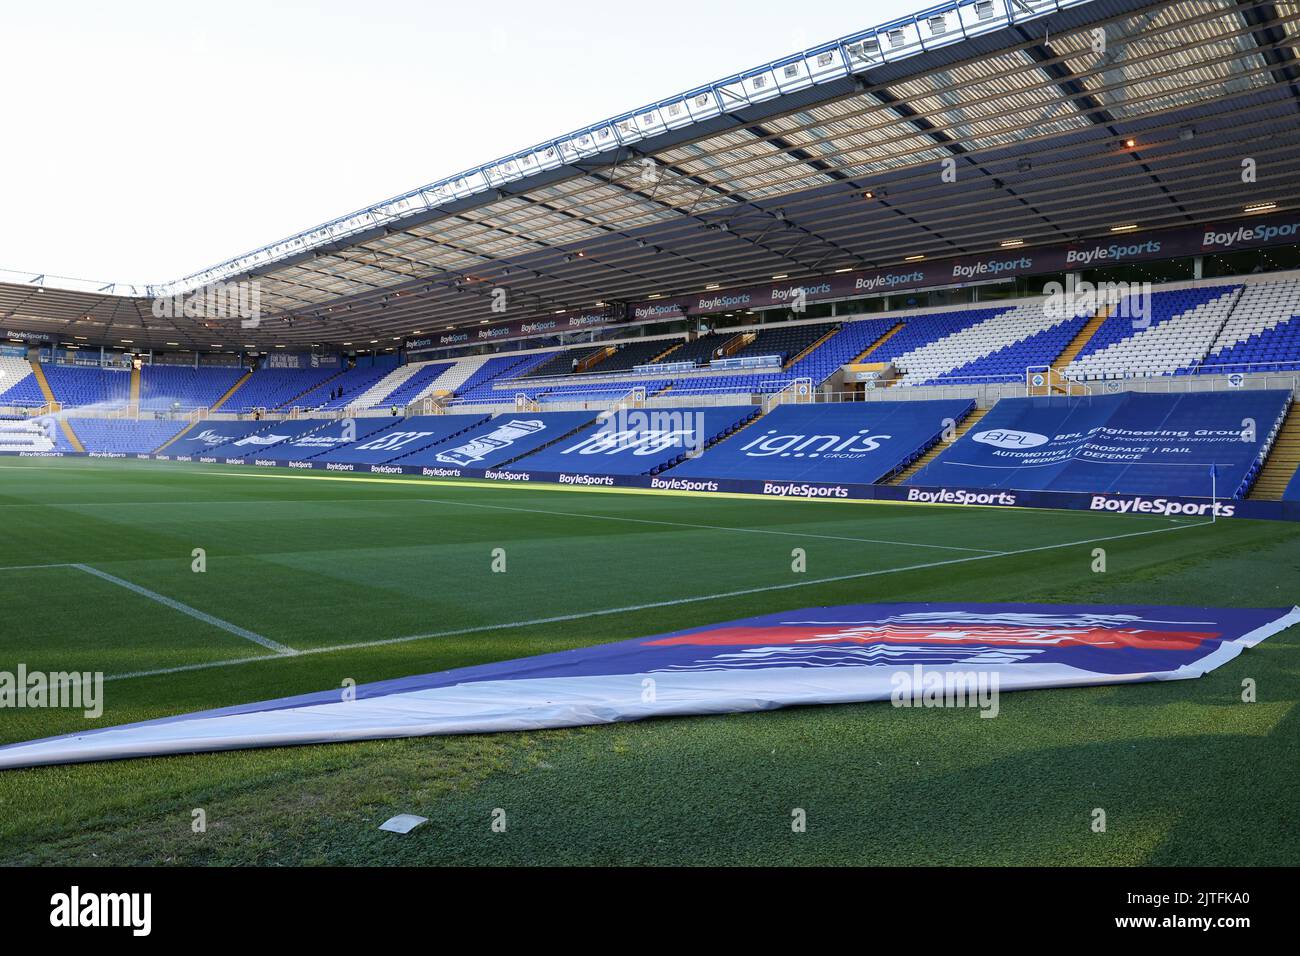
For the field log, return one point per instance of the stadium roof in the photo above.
(827, 159)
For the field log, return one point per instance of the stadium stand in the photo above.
(18, 386)
(497, 441)
(1178, 332)
(843, 347)
(408, 435)
(33, 436)
(784, 340)
(125, 435)
(1130, 442)
(628, 355)
(560, 363)
(272, 388)
(859, 442)
(162, 386)
(1292, 492)
(1262, 334)
(415, 385)
(478, 388)
(639, 441)
(78, 385)
(921, 330)
(354, 382)
(995, 349)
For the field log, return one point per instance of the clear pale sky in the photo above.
(147, 139)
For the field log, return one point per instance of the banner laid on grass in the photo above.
(912, 654)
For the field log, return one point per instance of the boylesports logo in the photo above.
(1161, 506)
(945, 496)
(790, 490)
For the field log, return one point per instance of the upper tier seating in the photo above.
(161, 386)
(355, 381)
(1263, 332)
(1181, 327)
(784, 340)
(995, 349)
(560, 363)
(632, 354)
(271, 388)
(18, 385)
(78, 385)
(478, 387)
(410, 389)
(124, 435)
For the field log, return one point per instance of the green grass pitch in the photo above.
(372, 578)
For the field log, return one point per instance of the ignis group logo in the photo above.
(887, 281)
(1245, 234)
(774, 444)
(1009, 438)
(133, 911)
(644, 432)
(217, 300)
(1129, 300)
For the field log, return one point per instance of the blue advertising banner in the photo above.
(858, 441)
(912, 655)
(638, 441)
(1136, 442)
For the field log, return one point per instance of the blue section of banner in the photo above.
(407, 436)
(637, 441)
(501, 439)
(860, 442)
(1133, 442)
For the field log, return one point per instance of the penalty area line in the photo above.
(672, 602)
(281, 650)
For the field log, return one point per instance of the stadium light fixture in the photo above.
(1127, 227)
(913, 258)
(1261, 207)
(710, 288)
(1011, 243)
(657, 295)
(174, 343)
(1130, 143)
(783, 275)
(845, 269)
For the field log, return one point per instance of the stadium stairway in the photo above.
(48, 393)
(186, 430)
(879, 342)
(1283, 459)
(1080, 340)
(248, 373)
(938, 448)
(325, 381)
(830, 333)
(43, 382)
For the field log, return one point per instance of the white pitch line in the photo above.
(673, 602)
(195, 613)
(33, 567)
(702, 527)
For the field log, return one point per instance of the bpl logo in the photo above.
(1009, 438)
